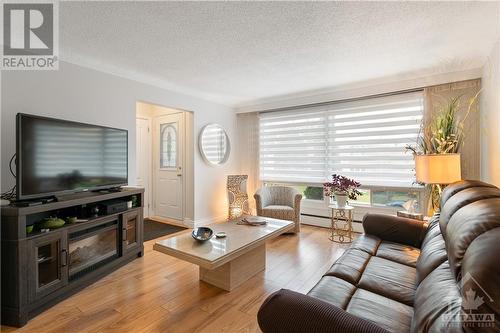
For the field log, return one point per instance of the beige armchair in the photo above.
(279, 202)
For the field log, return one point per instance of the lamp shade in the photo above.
(438, 168)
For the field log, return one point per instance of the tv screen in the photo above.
(57, 156)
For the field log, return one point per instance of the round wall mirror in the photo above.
(214, 144)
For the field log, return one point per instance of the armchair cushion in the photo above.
(278, 207)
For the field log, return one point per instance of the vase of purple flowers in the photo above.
(342, 188)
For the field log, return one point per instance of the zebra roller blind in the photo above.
(363, 139)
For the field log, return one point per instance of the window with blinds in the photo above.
(363, 139)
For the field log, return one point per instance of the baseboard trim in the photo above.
(188, 223)
(325, 222)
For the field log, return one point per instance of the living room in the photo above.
(322, 154)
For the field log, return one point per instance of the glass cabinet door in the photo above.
(132, 230)
(48, 264)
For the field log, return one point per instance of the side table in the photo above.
(341, 228)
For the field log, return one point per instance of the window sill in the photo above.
(320, 209)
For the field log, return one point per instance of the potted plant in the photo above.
(342, 188)
(444, 133)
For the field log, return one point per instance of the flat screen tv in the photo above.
(57, 157)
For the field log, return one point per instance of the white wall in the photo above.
(86, 95)
(490, 119)
(214, 199)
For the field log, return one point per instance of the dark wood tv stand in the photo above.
(40, 269)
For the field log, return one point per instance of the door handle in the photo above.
(124, 234)
(64, 258)
(179, 174)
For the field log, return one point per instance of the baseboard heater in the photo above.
(325, 222)
(324, 217)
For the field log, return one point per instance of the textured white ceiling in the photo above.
(236, 52)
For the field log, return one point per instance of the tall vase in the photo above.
(341, 199)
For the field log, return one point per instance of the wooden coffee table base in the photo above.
(235, 272)
(226, 262)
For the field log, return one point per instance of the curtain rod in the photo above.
(345, 100)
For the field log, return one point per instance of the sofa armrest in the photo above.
(395, 229)
(286, 311)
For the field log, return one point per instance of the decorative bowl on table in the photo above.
(202, 234)
(255, 220)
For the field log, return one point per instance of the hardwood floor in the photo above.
(158, 293)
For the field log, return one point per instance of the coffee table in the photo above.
(226, 262)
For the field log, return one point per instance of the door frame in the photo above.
(149, 111)
(149, 209)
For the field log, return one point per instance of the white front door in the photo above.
(168, 165)
(143, 159)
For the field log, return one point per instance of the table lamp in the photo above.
(237, 196)
(439, 170)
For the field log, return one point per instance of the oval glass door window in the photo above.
(168, 145)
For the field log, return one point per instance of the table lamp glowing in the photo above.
(439, 169)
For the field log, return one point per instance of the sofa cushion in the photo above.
(433, 252)
(459, 186)
(385, 312)
(482, 273)
(390, 279)
(466, 225)
(462, 199)
(401, 253)
(333, 290)
(350, 265)
(436, 300)
(367, 243)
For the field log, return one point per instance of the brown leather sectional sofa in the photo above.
(403, 275)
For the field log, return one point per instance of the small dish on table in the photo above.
(202, 234)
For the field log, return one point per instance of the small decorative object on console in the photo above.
(72, 219)
(341, 188)
(52, 223)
